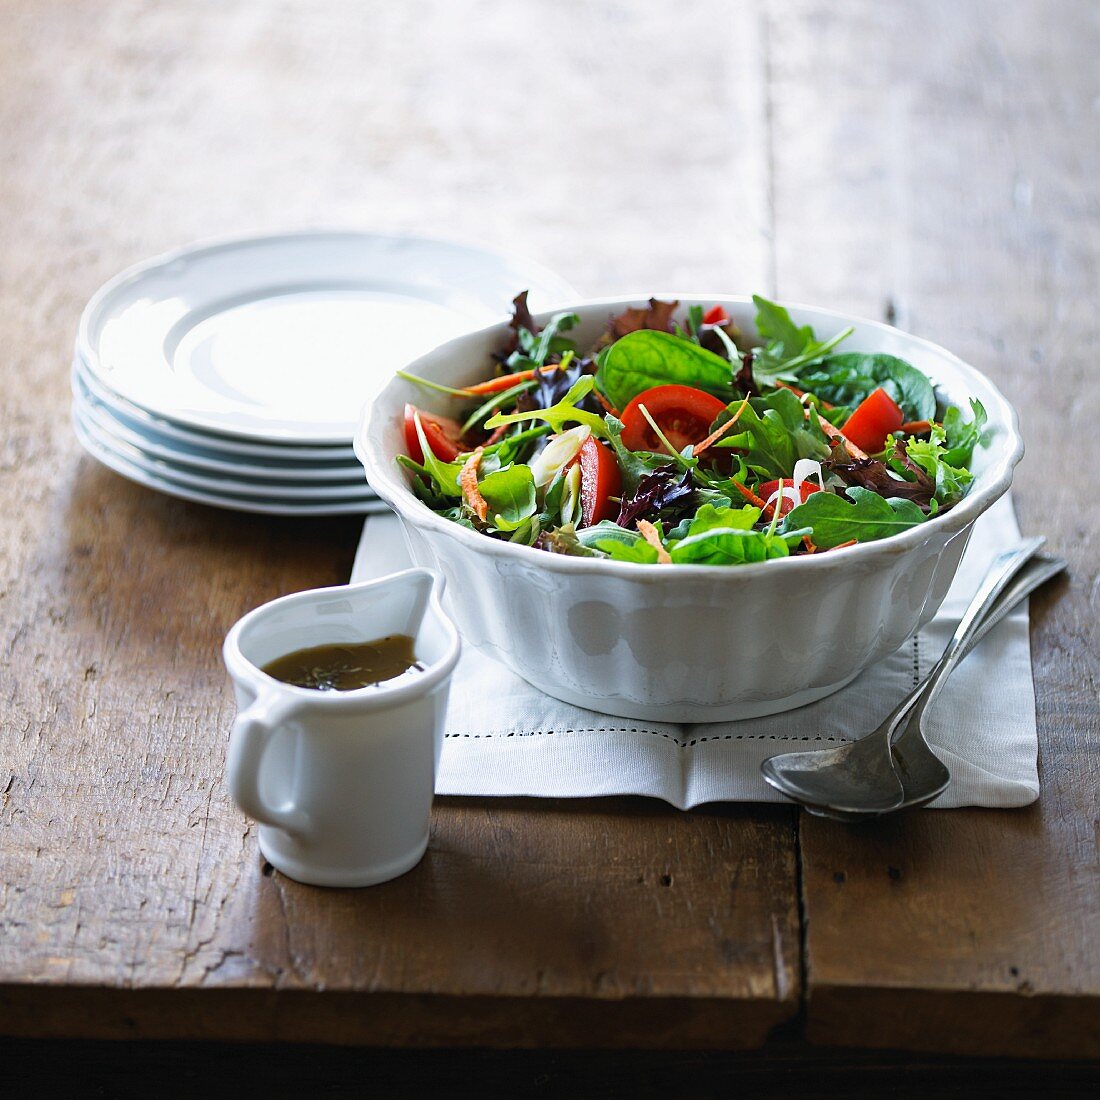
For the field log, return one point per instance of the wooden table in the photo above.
(931, 163)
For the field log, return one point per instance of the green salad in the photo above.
(674, 439)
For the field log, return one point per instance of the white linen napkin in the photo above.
(506, 738)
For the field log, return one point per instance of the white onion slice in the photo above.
(804, 469)
(571, 497)
(558, 453)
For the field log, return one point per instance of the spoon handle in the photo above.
(1034, 574)
(1005, 566)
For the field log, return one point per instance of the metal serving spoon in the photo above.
(860, 777)
(916, 765)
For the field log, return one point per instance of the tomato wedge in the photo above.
(784, 503)
(876, 416)
(716, 315)
(600, 482)
(683, 413)
(443, 434)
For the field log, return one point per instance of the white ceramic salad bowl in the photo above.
(689, 643)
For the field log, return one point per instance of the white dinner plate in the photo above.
(283, 338)
(261, 504)
(94, 414)
(169, 434)
(219, 485)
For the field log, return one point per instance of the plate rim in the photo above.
(120, 466)
(214, 245)
(112, 400)
(234, 487)
(100, 415)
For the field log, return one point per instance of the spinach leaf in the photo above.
(564, 412)
(639, 551)
(647, 358)
(725, 536)
(617, 542)
(865, 517)
(510, 494)
(776, 434)
(847, 379)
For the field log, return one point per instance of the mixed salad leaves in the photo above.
(679, 441)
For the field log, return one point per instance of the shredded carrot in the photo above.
(748, 494)
(916, 427)
(802, 393)
(843, 545)
(717, 434)
(808, 543)
(505, 382)
(607, 406)
(835, 433)
(467, 481)
(649, 533)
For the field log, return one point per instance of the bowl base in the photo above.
(686, 711)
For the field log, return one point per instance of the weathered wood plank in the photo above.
(942, 170)
(134, 902)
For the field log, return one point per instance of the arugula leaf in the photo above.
(864, 517)
(527, 533)
(776, 433)
(787, 348)
(962, 438)
(423, 485)
(633, 465)
(510, 494)
(534, 347)
(442, 475)
(847, 379)
(775, 326)
(495, 401)
(564, 412)
(647, 358)
(509, 448)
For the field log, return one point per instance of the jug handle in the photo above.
(249, 740)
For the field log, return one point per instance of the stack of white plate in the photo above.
(234, 374)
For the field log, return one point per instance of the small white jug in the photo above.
(341, 781)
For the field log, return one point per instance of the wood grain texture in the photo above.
(134, 902)
(953, 188)
(944, 179)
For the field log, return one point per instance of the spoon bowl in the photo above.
(893, 767)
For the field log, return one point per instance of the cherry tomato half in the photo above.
(716, 315)
(784, 502)
(443, 434)
(600, 481)
(876, 416)
(683, 413)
